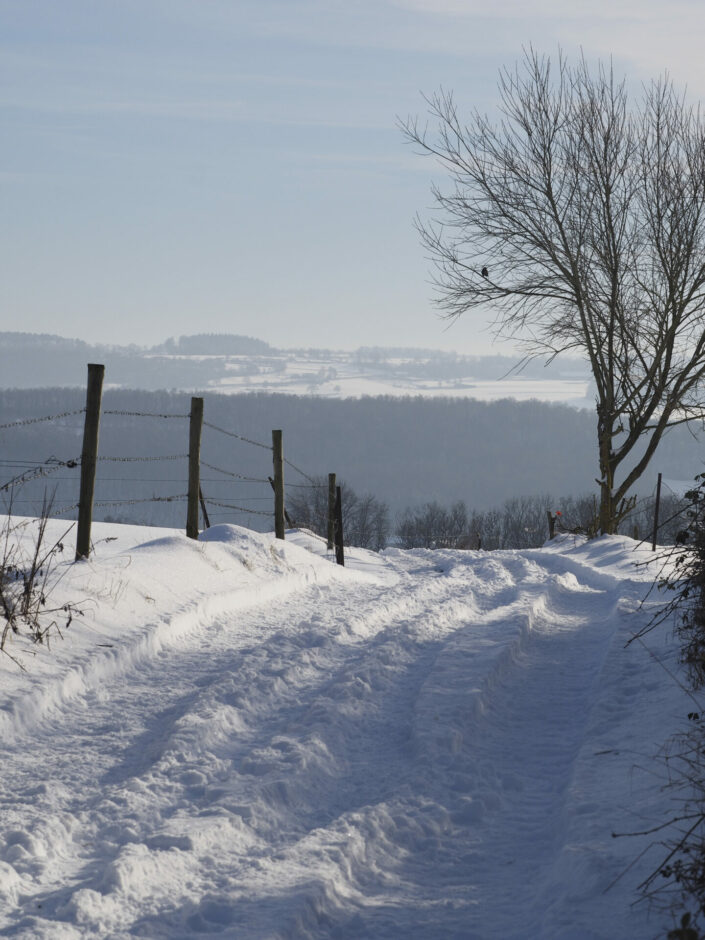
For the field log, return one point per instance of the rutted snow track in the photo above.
(401, 752)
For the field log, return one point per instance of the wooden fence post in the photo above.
(194, 467)
(656, 512)
(287, 518)
(339, 550)
(278, 458)
(551, 524)
(331, 512)
(89, 458)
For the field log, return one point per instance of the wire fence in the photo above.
(232, 488)
(228, 492)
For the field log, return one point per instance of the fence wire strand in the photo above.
(143, 459)
(28, 463)
(144, 414)
(254, 512)
(133, 502)
(238, 437)
(34, 473)
(299, 470)
(25, 421)
(107, 503)
(237, 476)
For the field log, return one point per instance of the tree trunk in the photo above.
(608, 506)
(608, 516)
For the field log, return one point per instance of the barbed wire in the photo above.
(105, 504)
(298, 470)
(27, 462)
(143, 459)
(38, 499)
(237, 476)
(144, 414)
(239, 437)
(254, 512)
(62, 512)
(137, 480)
(132, 502)
(252, 499)
(34, 473)
(25, 421)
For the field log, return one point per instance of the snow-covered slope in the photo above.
(242, 739)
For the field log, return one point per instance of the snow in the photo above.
(340, 374)
(575, 392)
(242, 739)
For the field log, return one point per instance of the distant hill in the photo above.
(214, 344)
(40, 360)
(239, 364)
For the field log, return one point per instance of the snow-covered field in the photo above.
(341, 375)
(241, 739)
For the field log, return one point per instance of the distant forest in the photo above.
(404, 451)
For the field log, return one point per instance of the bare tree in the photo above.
(581, 220)
(433, 526)
(366, 518)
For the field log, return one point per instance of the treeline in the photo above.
(519, 523)
(522, 522)
(406, 452)
(30, 360)
(436, 365)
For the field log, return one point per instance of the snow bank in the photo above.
(143, 590)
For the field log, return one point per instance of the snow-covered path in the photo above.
(429, 744)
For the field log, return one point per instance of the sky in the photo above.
(182, 166)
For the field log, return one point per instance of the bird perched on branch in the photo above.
(485, 272)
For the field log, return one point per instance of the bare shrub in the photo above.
(27, 580)
(678, 882)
